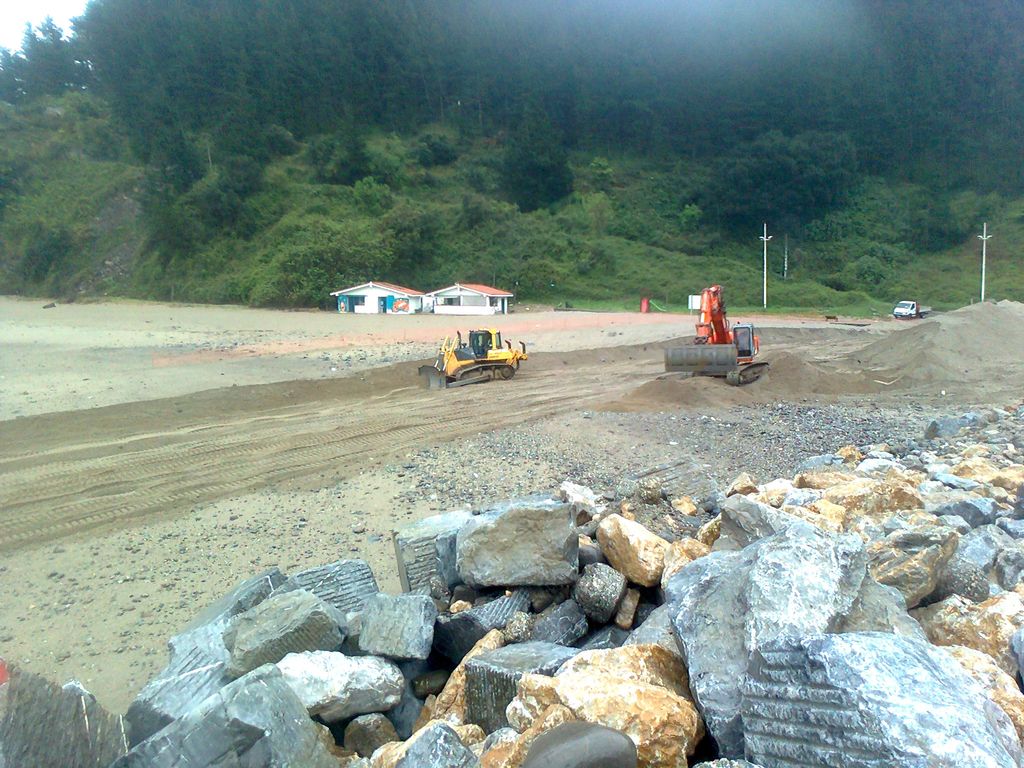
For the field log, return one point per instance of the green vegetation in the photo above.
(268, 154)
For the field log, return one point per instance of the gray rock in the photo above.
(284, 623)
(344, 584)
(254, 721)
(976, 510)
(43, 724)
(427, 549)
(519, 628)
(455, 634)
(1017, 647)
(400, 627)
(1015, 528)
(491, 678)
(437, 746)
(405, 715)
(581, 745)
(949, 426)
(879, 608)
(817, 462)
(589, 554)
(599, 592)
(500, 736)
(876, 465)
(198, 658)
(333, 686)
(745, 521)
(982, 545)
(950, 480)
(656, 630)
(1010, 566)
(957, 523)
(869, 699)
(367, 733)
(604, 639)
(964, 578)
(729, 764)
(531, 542)
(726, 604)
(801, 497)
(564, 624)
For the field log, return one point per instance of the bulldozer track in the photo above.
(116, 474)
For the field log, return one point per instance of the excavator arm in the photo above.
(713, 325)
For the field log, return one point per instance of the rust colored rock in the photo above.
(774, 492)
(978, 469)
(913, 560)
(850, 454)
(743, 483)
(998, 686)
(985, 627)
(876, 499)
(710, 531)
(632, 550)
(680, 554)
(821, 514)
(651, 664)
(822, 479)
(627, 609)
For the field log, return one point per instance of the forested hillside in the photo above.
(267, 152)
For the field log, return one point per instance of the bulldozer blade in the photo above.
(433, 378)
(702, 359)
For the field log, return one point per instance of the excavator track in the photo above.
(746, 374)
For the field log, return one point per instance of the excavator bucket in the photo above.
(702, 359)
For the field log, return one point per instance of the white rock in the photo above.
(335, 686)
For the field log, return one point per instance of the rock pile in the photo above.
(868, 611)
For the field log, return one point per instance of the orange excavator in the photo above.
(718, 349)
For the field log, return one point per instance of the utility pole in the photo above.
(765, 238)
(984, 237)
(785, 258)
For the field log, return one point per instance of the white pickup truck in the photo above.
(907, 310)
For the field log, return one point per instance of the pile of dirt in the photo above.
(790, 377)
(975, 347)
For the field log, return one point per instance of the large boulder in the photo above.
(982, 546)
(450, 705)
(491, 678)
(456, 633)
(198, 657)
(435, 746)
(998, 686)
(599, 591)
(632, 550)
(426, 550)
(44, 724)
(254, 721)
(344, 584)
(961, 577)
(665, 726)
(796, 582)
(911, 560)
(651, 664)
(399, 627)
(869, 699)
(974, 509)
(744, 521)
(334, 686)
(530, 542)
(879, 608)
(564, 624)
(581, 745)
(284, 623)
(986, 627)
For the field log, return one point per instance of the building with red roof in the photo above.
(379, 297)
(468, 299)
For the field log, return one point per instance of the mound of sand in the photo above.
(790, 377)
(978, 346)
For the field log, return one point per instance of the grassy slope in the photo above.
(620, 236)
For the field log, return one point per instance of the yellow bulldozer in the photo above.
(482, 358)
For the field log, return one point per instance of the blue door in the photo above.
(391, 303)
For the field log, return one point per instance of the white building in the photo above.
(468, 299)
(379, 298)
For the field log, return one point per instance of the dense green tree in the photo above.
(535, 169)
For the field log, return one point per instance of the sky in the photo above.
(15, 13)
